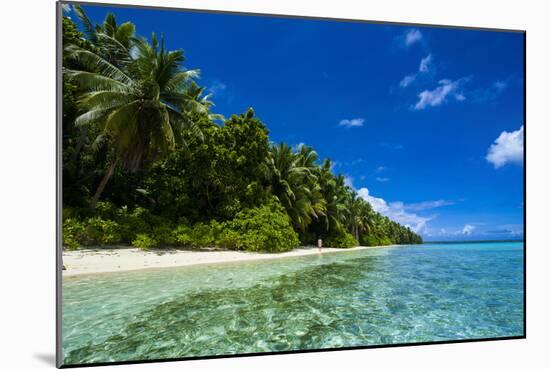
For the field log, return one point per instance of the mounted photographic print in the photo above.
(244, 184)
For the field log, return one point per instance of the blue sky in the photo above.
(426, 123)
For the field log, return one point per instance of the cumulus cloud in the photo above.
(412, 37)
(396, 211)
(348, 181)
(439, 95)
(467, 230)
(349, 123)
(382, 179)
(508, 148)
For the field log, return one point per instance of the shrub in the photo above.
(105, 210)
(164, 234)
(144, 241)
(264, 228)
(74, 233)
(105, 232)
(373, 240)
(132, 223)
(182, 235)
(202, 235)
(228, 239)
(342, 240)
(370, 240)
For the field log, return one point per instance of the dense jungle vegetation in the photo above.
(147, 162)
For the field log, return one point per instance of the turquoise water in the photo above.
(365, 297)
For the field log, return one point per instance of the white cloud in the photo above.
(348, 123)
(491, 92)
(424, 67)
(382, 179)
(412, 36)
(508, 148)
(348, 181)
(425, 64)
(407, 80)
(217, 88)
(428, 205)
(380, 169)
(500, 86)
(439, 95)
(467, 230)
(396, 211)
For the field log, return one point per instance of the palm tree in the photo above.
(110, 41)
(354, 206)
(334, 191)
(142, 107)
(293, 181)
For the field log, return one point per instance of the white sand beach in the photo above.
(106, 260)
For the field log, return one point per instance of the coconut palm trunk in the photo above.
(108, 174)
(79, 144)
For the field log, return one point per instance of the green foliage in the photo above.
(203, 235)
(342, 240)
(164, 234)
(73, 233)
(144, 241)
(182, 236)
(216, 177)
(265, 228)
(140, 134)
(105, 232)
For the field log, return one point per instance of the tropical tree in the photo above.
(334, 192)
(111, 40)
(293, 180)
(135, 118)
(142, 108)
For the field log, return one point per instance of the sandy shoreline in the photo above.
(91, 261)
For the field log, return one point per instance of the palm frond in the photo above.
(89, 29)
(94, 63)
(89, 81)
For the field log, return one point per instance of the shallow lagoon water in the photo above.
(403, 294)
